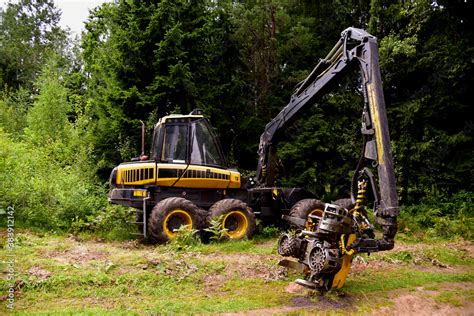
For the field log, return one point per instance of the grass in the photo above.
(61, 274)
(145, 278)
(450, 298)
(401, 278)
(433, 253)
(265, 247)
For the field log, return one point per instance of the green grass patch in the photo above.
(440, 253)
(404, 277)
(449, 298)
(146, 293)
(263, 246)
(89, 276)
(456, 297)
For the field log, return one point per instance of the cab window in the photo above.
(204, 150)
(174, 143)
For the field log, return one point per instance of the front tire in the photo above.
(170, 214)
(237, 218)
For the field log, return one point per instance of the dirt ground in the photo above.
(418, 303)
(125, 259)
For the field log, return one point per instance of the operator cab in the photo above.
(186, 139)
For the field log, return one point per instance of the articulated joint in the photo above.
(389, 228)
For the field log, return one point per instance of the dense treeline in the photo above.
(70, 110)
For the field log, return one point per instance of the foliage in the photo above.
(427, 76)
(323, 150)
(111, 222)
(441, 215)
(268, 231)
(184, 239)
(218, 233)
(47, 119)
(145, 59)
(43, 191)
(29, 33)
(13, 111)
(69, 112)
(46, 171)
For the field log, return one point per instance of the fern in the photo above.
(218, 233)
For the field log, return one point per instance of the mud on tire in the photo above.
(304, 208)
(170, 214)
(237, 218)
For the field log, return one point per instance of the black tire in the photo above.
(305, 207)
(287, 246)
(345, 203)
(238, 218)
(170, 214)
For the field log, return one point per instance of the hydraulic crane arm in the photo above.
(355, 47)
(326, 72)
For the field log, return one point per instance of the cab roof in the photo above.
(179, 117)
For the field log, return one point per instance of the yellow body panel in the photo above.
(234, 180)
(340, 277)
(136, 174)
(376, 122)
(168, 174)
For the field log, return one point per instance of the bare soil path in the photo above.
(83, 274)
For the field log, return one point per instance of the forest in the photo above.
(70, 108)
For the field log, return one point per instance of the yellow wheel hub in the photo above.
(236, 223)
(174, 220)
(309, 222)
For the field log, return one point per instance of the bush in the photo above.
(47, 167)
(13, 111)
(215, 229)
(186, 239)
(268, 231)
(441, 215)
(45, 193)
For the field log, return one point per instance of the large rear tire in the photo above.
(171, 214)
(237, 218)
(306, 207)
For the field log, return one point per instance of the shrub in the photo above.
(441, 215)
(45, 193)
(215, 229)
(184, 240)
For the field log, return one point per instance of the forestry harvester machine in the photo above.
(186, 180)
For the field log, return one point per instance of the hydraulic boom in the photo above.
(355, 47)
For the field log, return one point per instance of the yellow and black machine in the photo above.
(186, 181)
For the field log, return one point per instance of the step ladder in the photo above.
(144, 217)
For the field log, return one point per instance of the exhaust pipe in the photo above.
(142, 155)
